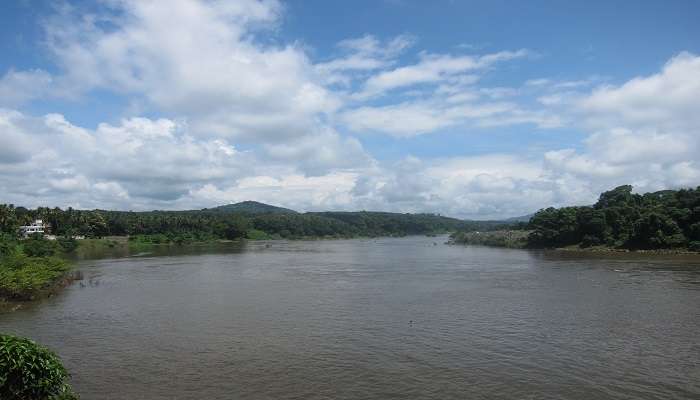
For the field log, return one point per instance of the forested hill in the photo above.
(621, 219)
(247, 220)
(251, 207)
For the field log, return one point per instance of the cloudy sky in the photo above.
(474, 109)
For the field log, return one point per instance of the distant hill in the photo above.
(522, 218)
(251, 207)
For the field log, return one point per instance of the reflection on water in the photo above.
(379, 318)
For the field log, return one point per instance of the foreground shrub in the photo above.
(29, 371)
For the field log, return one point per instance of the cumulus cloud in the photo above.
(664, 101)
(645, 132)
(139, 158)
(320, 153)
(489, 186)
(143, 163)
(209, 70)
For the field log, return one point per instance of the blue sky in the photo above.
(477, 109)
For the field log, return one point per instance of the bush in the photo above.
(31, 371)
(22, 277)
(255, 234)
(590, 240)
(39, 247)
(8, 245)
(68, 244)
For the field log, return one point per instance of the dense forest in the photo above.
(668, 219)
(621, 219)
(237, 222)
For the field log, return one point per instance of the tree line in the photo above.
(666, 219)
(200, 225)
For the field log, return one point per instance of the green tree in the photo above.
(29, 371)
(655, 230)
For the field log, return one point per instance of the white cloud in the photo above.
(433, 68)
(415, 118)
(664, 101)
(331, 191)
(19, 87)
(320, 153)
(646, 132)
(209, 70)
(420, 117)
(152, 159)
(365, 53)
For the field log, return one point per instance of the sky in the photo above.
(472, 109)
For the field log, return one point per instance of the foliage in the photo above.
(21, 276)
(31, 371)
(254, 234)
(659, 220)
(8, 245)
(252, 207)
(67, 244)
(36, 246)
(514, 239)
(242, 220)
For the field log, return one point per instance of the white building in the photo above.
(36, 227)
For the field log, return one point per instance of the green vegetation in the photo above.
(669, 219)
(238, 221)
(664, 220)
(23, 277)
(514, 239)
(31, 371)
(251, 207)
(30, 266)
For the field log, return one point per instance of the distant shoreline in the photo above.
(515, 239)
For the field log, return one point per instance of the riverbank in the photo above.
(605, 249)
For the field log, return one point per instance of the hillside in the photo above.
(522, 218)
(251, 207)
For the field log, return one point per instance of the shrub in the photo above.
(22, 277)
(255, 234)
(68, 244)
(39, 247)
(31, 371)
(8, 245)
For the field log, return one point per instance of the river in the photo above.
(389, 318)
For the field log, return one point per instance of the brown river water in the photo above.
(407, 318)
